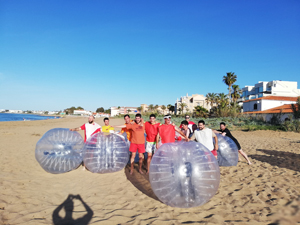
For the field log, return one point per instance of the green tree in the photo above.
(101, 109)
(229, 80)
(182, 105)
(168, 107)
(236, 93)
(163, 107)
(128, 111)
(200, 111)
(156, 107)
(139, 108)
(108, 111)
(150, 107)
(296, 109)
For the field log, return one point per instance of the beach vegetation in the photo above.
(70, 110)
(229, 80)
(98, 110)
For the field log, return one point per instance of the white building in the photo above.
(267, 95)
(274, 88)
(15, 111)
(123, 110)
(82, 112)
(191, 102)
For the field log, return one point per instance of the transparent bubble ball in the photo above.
(184, 174)
(59, 150)
(105, 153)
(228, 151)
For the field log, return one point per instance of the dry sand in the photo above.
(267, 192)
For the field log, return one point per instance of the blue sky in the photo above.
(58, 54)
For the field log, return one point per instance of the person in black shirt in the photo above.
(224, 131)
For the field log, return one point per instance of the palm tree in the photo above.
(156, 107)
(150, 107)
(168, 107)
(182, 105)
(223, 100)
(200, 111)
(236, 94)
(229, 80)
(208, 98)
(163, 107)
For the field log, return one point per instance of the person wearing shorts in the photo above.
(205, 136)
(225, 132)
(151, 129)
(137, 141)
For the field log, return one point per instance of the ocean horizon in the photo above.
(6, 117)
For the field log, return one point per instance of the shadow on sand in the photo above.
(281, 159)
(68, 206)
(140, 181)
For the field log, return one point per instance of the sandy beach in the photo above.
(267, 192)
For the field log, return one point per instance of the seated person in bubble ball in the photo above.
(225, 132)
(185, 128)
(167, 133)
(107, 128)
(89, 128)
(137, 143)
(151, 129)
(205, 136)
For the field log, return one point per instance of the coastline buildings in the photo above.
(267, 95)
(123, 110)
(191, 102)
(270, 98)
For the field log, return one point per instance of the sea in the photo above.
(23, 117)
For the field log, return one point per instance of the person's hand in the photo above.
(156, 145)
(186, 140)
(132, 122)
(224, 134)
(71, 129)
(216, 147)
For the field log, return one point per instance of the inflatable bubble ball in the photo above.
(59, 150)
(105, 153)
(227, 152)
(184, 174)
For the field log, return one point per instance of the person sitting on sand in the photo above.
(166, 132)
(225, 132)
(205, 136)
(137, 128)
(107, 128)
(89, 128)
(151, 128)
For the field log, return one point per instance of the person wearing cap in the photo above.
(89, 128)
(107, 128)
(167, 131)
(205, 136)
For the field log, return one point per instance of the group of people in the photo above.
(136, 129)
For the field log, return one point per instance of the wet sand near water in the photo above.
(267, 192)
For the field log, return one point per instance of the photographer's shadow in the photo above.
(68, 206)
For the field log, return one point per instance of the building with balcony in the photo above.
(123, 110)
(191, 102)
(271, 88)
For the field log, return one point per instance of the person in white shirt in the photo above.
(89, 128)
(205, 136)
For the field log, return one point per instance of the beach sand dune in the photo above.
(266, 192)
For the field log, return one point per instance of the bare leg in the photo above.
(132, 162)
(148, 162)
(141, 159)
(245, 156)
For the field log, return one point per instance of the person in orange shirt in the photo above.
(137, 143)
(124, 129)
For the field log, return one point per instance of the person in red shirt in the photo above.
(167, 130)
(151, 128)
(89, 128)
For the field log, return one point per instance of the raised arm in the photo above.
(76, 129)
(181, 133)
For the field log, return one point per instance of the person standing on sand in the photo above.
(137, 143)
(225, 132)
(151, 128)
(205, 136)
(89, 128)
(107, 128)
(125, 130)
(166, 132)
